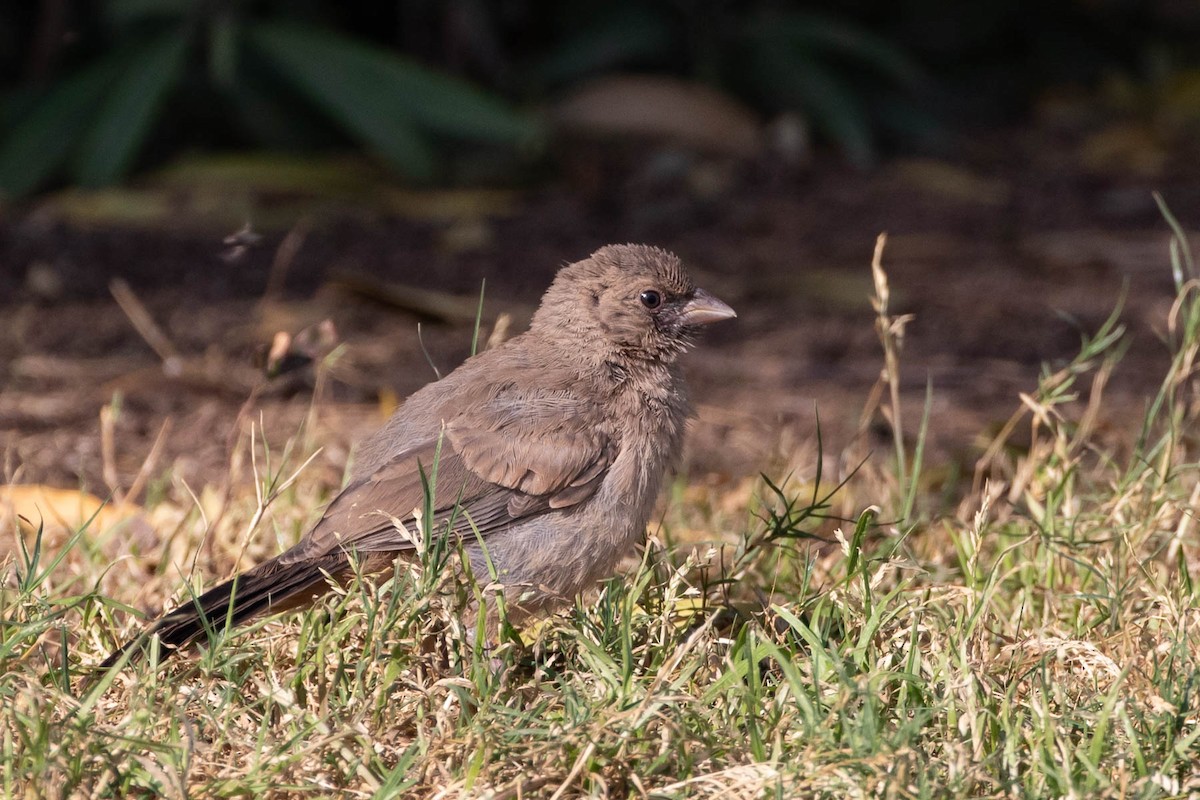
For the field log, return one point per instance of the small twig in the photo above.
(285, 254)
(1087, 422)
(891, 332)
(437, 373)
(1000, 440)
(235, 430)
(143, 323)
(108, 451)
(264, 501)
(139, 481)
(580, 763)
(427, 303)
(522, 788)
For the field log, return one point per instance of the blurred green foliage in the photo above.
(161, 65)
(91, 90)
(849, 83)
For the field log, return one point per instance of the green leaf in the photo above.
(384, 99)
(128, 111)
(351, 88)
(40, 143)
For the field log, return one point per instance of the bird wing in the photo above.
(514, 457)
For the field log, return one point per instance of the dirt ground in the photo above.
(1005, 256)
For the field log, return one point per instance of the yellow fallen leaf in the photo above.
(58, 512)
(63, 508)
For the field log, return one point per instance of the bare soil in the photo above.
(1005, 256)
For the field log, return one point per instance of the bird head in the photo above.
(636, 300)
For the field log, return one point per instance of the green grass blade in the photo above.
(478, 319)
(1179, 245)
(914, 478)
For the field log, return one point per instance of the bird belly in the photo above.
(556, 555)
(553, 557)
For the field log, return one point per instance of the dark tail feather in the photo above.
(270, 586)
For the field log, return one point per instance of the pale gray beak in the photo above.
(703, 308)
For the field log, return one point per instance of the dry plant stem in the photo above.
(1041, 404)
(264, 500)
(1183, 365)
(232, 446)
(285, 254)
(997, 443)
(1186, 526)
(226, 486)
(891, 335)
(428, 303)
(320, 381)
(142, 321)
(108, 451)
(1087, 422)
(521, 788)
(151, 461)
(580, 762)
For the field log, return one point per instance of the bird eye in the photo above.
(651, 299)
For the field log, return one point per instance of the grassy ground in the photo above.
(1037, 635)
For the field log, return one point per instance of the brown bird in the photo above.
(552, 446)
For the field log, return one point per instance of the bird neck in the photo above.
(651, 383)
(611, 369)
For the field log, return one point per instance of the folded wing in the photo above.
(515, 457)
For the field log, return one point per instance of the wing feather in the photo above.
(487, 470)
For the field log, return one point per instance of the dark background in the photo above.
(470, 76)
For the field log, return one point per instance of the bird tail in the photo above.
(269, 587)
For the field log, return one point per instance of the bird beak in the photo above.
(703, 308)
